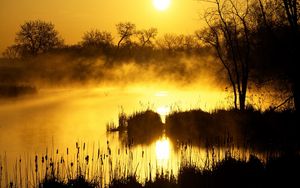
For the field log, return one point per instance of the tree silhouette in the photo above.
(37, 37)
(277, 42)
(292, 10)
(146, 36)
(125, 31)
(95, 38)
(171, 42)
(229, 34)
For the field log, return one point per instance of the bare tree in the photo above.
(291, 8)
(292, 11)
(171, 42)
(125, 31)
(37, 37)
(190, 42)
(229, 34)
(96, 38)
(146, 36)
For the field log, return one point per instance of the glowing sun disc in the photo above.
(161, 5)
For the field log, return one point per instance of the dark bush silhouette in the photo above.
(144, 127)
(268, 130)
(128, 182)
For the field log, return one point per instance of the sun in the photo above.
(161, 5)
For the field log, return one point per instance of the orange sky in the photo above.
(74, 17)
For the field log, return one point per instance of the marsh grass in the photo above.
(97, 170)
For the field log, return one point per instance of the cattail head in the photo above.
(87, 159)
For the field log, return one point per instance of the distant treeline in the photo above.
(39, 37)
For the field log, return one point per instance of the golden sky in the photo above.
(74, 17)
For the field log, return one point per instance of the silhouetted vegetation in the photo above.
(140, 128)
(267, 130)
(34, 37)
(229, 34)
(84, 170)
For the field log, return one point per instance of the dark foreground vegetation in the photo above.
(230, 172)
(280, 171)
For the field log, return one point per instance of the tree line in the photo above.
(37, 37)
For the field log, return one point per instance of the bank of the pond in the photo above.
(268, 130)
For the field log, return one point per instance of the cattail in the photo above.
(87, 159)
(36, 163)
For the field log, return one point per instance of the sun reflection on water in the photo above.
(163, 150)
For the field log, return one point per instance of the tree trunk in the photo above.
(296, 95)
(242, 98)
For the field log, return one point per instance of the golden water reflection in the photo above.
(163, 149)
